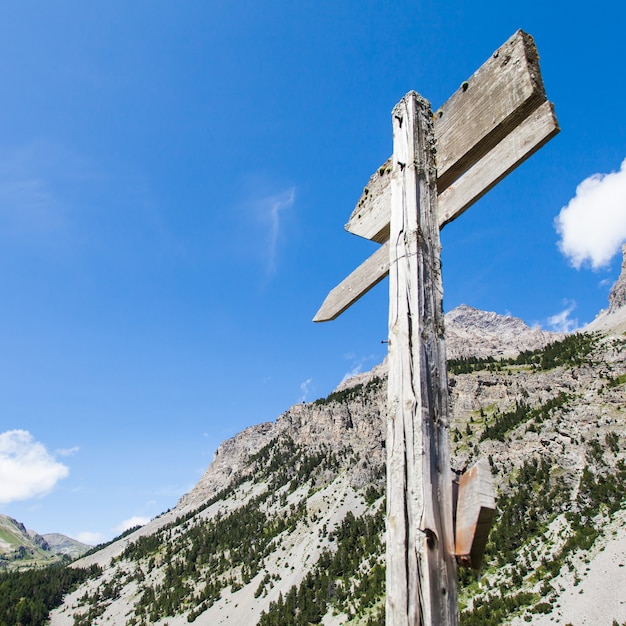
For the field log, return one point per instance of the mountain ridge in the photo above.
(21, 547)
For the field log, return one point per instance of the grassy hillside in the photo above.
(20, 549)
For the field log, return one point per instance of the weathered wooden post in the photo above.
(420, 537)
(495, 120)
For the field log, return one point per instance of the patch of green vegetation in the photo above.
(612, 442)
(533, 498)
(617, 381)
(359, 391)
(349, 580)
(521, 413)
(28, 596)
(493, 609)
(573, 350)
(8, 537)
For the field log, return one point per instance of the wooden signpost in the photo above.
(440, 166)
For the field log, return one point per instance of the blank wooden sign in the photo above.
(476, 507)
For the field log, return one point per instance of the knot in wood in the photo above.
(431, 539)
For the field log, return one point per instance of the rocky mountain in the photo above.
(617, 297)
(613, 319)
(20, 547)
(287, 524)
(66, 546)
(472, 332)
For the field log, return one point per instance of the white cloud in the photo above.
(562, 322)
(593, 224)
(27, 469)
(90, 538)
(136, 520)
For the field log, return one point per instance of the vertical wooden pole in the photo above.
(421, 569)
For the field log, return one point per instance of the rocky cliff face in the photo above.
(617, 297)
(613, 319)
(230, 459)
(471, 332)
(353, 423)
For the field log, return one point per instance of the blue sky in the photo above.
(174, 181)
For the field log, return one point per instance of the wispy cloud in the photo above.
(305, 387)
(67, 451)
(593, 224)
(37, 182)
(27, 204)
(27, 469)
(358, 365)
(90, 538)
(260, 221)
(357, 369)
(135, 520)
(562, 322)
(273, 207)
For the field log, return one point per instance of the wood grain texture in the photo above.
(421, 568)
(498, 97)
(501, 93)
(521, 143)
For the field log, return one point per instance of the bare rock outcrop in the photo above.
(472, 332)
(613, 319)
(617, 296)
(230, 458)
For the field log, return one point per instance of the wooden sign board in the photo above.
(487, 107)
(476, 506)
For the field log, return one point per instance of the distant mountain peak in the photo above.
(20, 547)
(472, 332)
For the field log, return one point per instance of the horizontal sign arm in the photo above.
(360, 281)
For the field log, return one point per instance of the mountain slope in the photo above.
(286, 525)
(230, 550)
(20, 548)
